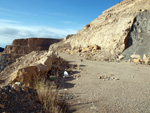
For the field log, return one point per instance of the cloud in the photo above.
(4, 11)
(9, 32)
(8, 21)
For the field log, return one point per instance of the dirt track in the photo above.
(123, 87)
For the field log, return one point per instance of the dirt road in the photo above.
(108, 87)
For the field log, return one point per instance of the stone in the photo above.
(2, 106)
(16, 87)
(146, 59)
(25, 89)
(136, 60)
(20, 47)
(71, 52)
(86, 50)
(18, 83)
(135, 56)
(121, 57)
(95, 47)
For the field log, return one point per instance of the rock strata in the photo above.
(25, 46)
(22, 47)
(139, 37)
(111, 30)
(27, 69)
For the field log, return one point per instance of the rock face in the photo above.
(111, 29)
(139, 37)
(7, 59)
(1, 49)
(22, 47)
(25, 46)
(28, 68)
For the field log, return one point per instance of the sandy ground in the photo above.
(123, 88)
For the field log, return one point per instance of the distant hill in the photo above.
(1, 49)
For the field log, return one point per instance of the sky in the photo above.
(47, 18)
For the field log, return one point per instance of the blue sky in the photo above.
(47, 18)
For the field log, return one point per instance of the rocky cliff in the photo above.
(110, 31)
(25, 46)
(22, 47)
(139, 36)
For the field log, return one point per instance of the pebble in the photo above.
(107, 77)
(2, 106)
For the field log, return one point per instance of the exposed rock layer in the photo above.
(110, 30)
(139, 37)
(22, 47)
(25, 46)
(28, 68)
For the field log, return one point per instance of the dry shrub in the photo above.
(50, 98)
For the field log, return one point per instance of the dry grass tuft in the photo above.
(50, 98)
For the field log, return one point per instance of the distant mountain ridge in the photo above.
(1, 49)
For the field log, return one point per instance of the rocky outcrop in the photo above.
(110, 30)
(7, 59)
(1, 49)
(28, 68)
(139, 37)
(25, 46)
(22, 47)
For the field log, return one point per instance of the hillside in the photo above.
(110, 31)
(99, 81)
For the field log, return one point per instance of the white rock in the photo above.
(121, 57)
(135, 56)
(66, 74)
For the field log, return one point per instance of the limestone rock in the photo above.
(86, 50)
(136, 60)
(25, 46)
(111, 30)
(29, 67)
(135, 56)
(121, 57)
(146, 59)
(22, 47)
